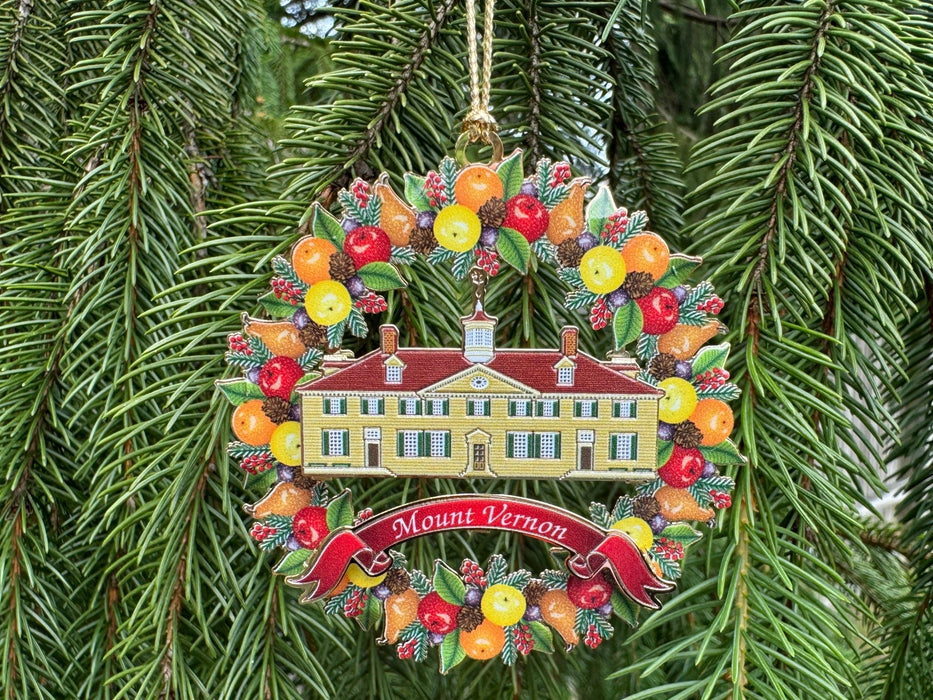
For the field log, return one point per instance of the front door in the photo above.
(372, 454)
(479, 458)
(586, 457)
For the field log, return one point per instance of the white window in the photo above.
(547, 409)
(411, 407)
(393, 374)
(586, 409)
(520, 446)
(548, 448)
(373, 407)
(372, 434)
(519, 408)
(437, 407)
(624, 409)
(335, 406)
(335, 442)
(478, 407)
(623, 446)
(410, 443)
(565, 375)
(439, 442)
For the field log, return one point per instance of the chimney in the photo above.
(388, 339)
(568, 341)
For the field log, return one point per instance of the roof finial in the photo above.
(479, 278)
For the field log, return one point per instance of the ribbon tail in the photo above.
(329, 565)
(621, 558)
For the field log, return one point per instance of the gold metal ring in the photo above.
(466, 138)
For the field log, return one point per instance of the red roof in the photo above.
(427, 366)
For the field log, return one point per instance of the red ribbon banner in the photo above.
(592, 548)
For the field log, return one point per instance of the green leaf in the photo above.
(261, 481)
(309, 377)
(275, 307)
(327, 227)
(239, 391)
(711, 357)
(340, 512)
(451, 652)
(380, 276)
(724, 453)
(679, 270)
(665, 450)
(543, 639)
(514, 249)
(599, 211)
(511, 172)
(372, 612)
(627, 323)
(683, 533)
(448, 584)
(414, 192)
(293, 563)
(624, 608)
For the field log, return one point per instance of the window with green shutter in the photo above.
(371, 407)
(409, 407)
(585, 409)
(335, 407)
(477, 407)
(623, 446)
(325, 443)
(510, 445)
(624, 409)
(548, 408)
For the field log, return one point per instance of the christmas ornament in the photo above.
(308, 411)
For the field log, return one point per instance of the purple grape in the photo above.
(489, 236)
(665, 430)
(683, 369)
(292, 543)
(529, 188)
(301, 318)
(473, 596)
(294, 413)
(532, 613)
(586, 240)
(349, 224)
(355, 286)
(658, 523)
(426, 219)
(436, 638)
(618, 298)
(680, 293)
(253, 374)
(382, 591)
(709, 469)
(605, 610)
(284, 473)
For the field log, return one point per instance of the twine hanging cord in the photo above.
(479, 124)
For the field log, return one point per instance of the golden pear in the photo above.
(395, 218)
(401, 611)
(567, 218)
(284, 499)
(560, 613)
(683, 342)
(679, 504)
(281, 337)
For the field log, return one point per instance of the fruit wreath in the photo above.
(620, 277)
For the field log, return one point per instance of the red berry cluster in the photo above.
(488, 260)
(407, 650)
(720, 499)
(261, 532)
(472, 573)
(254, 464)
(237, 343)
(372, 303)
(600, 314)
(593, 638)
(286, 291)
(669, 549)
(434, 188)
(361, 192)
(364, 514)
(355, 603)
(561, 174)
(712, 305)
(615, 227)
(712, 379)
(524, 642)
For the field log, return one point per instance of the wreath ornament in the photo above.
(297, 388)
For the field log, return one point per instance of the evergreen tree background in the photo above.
(154, 156)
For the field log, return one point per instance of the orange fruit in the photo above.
(647, 252)
(311, 259)
(476, 185)
(714, 419)
(340, 587)
(250, 424)
(484, 642)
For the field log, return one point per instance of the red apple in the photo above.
(589, 593)
(367, 244)
(528, 216)
(660, 311)
(437, 614)
(310, 526)
(683, 468)
(279, 376)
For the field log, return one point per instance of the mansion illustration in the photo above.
(479, 411)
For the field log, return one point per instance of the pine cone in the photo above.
(638, 284)
(662, 366)
(423, 240)
(569, 253)
(492, 213)
(468, 619)
(646, 507)
(341, 266)
(276, 409)
(397, 581)
(534, 591)
(313, 335)
(304, 482)
(687, 435)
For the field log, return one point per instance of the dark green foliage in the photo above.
(151, 165)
